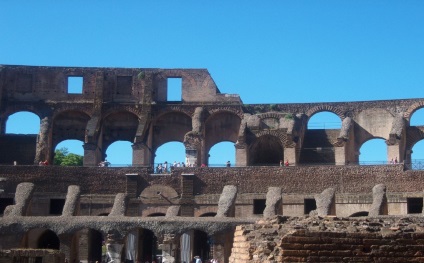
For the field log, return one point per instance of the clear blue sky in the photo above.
(290, 51)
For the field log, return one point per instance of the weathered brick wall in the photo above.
(330, 240)
(345, 179)
(95, 180)
(92, 180)
(20, 148)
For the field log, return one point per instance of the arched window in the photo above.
(69, 153)
(119, 154)
(417, 118)
(23, 122)
(417, 157)
(221, 153)
(373, 152)
(266, 150)
(171, 152)
(324, 120)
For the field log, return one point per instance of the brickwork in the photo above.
(329, 240)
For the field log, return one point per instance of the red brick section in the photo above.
(330, 240)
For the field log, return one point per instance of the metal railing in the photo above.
(416, 164)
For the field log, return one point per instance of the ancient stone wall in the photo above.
(330, 239)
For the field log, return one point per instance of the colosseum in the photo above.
(324, 206)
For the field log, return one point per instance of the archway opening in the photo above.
(95, 245)
(69, 153)
(417, 156)
(324, 120)
(373, 152)
(168, 155)
(209, 214)
(156, 214)
(23, 122)
(417, 118)
(48, 240)
(202, 244)
(266, 150)
(18, 145)
(148, 245)
(221, 153)
(358, 214)
(119, 154)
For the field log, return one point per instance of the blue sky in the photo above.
(290, 51)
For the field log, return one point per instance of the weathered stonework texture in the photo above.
(273, 202)
(23, 196)
(227, 201)
(379, 200)
(325, 201)
(72, 201)
(329, 239)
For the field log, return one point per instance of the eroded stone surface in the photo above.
(273, 199)
(379, 200)
(227, 201)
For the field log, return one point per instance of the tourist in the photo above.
(228, 164)
(286, 163)
(396, 160)
(197, 259)
(281, 163)
(165, 167)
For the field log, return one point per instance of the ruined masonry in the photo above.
(324, 207)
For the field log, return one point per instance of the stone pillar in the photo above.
(44, 148)
(23, 197)
(114, 245)
(394, 153)
(71, 206)
(168, 244)
(67, 248)
(290, 155)
(273, 202)
(92, 155)
(379, 201)
(242, 154)
(187, 195)
(326, 202)
(227, 200)
(141, 154)
(340, 155)
(193, 144)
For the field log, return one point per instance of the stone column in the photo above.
(393, 152)
(340, 155)
(141, 154)
(67, 248)
(92, 155)
(193, 143)
(242, 154)
(168, 244)
(290, 155)
(44, 148)
(114, 245)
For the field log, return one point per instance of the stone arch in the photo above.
(360, 213)
(329, 108)
(205, 210)
(170, 126)
(361, 144)
(221, 126)
(266, 149)
(270, 120)
(70, 124)
(158, 195)
(414, 135)
(413, 108)
(48, 240)
(118, 126)
(41, 238)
